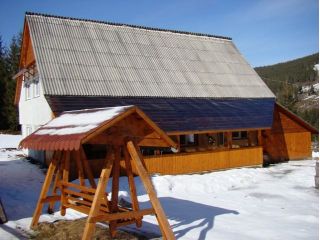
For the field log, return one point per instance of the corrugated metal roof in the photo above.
(81, 57)
(67, 131)
(183, 114)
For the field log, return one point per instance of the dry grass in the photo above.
(72, 230)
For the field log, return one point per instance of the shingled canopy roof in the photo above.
(73, 128)
(77, 57)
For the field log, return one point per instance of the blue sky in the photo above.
(265, 31)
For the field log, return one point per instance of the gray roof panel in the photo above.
(80, 57)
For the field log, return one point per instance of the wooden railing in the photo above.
(184, 163)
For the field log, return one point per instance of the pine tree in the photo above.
(3, 75)
(10, 110)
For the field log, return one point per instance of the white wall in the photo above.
(33, 112)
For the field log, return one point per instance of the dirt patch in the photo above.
(72, 230)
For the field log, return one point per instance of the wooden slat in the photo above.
(121, 215)
(86, 203)
(51, 199)
(78, 194)
(82, 209)
(161, 217)
(76, 186)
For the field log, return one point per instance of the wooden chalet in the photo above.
(197, 88)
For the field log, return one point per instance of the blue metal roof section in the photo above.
(183, 114)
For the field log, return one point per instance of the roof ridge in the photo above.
(129, 25)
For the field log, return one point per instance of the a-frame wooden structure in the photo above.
(123, 134)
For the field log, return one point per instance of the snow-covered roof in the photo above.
(74, 122)
(67, 131)
(88, 58)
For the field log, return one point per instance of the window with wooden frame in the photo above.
(36, 88)
(239, 135)
(27, 91)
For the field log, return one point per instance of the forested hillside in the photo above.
(295, 83)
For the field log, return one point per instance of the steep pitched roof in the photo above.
(89, 58)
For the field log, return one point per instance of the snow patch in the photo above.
(9, 141)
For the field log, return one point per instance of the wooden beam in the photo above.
(121, 215)
(44, 191)
(98, 198)
(213, 131)
(161, 217)
(79, 187)
(77, 155)
(115, 188)
(54, 198)
(260, 140)
(87, 168)
(132, 186)
(65, 178)
(58, 175)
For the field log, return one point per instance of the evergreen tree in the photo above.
(13, 57)
(3, 75)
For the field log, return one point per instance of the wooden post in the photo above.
(44, 191)
(65, 178)
(249, 136)
(115, 188)
(97, 200)
(260, 143)
(132, 186)
(58, 175)
(228, 136)
(87, 168)
(161, 217)
(77, 156)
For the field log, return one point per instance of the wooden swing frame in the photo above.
(92, 200)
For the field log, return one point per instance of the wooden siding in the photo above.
(185, 163)
(287, 140)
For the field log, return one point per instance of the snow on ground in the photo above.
(278, 202)
(9, 141)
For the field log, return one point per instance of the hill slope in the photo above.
(295, 83)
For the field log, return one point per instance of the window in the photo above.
(239, 135)
(27, 91)
(28, 130)
(190, 139)
(36, 89)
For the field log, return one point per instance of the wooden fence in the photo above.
(184, 163)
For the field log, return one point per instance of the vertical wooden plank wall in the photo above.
(203, 161)
(287, 140)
